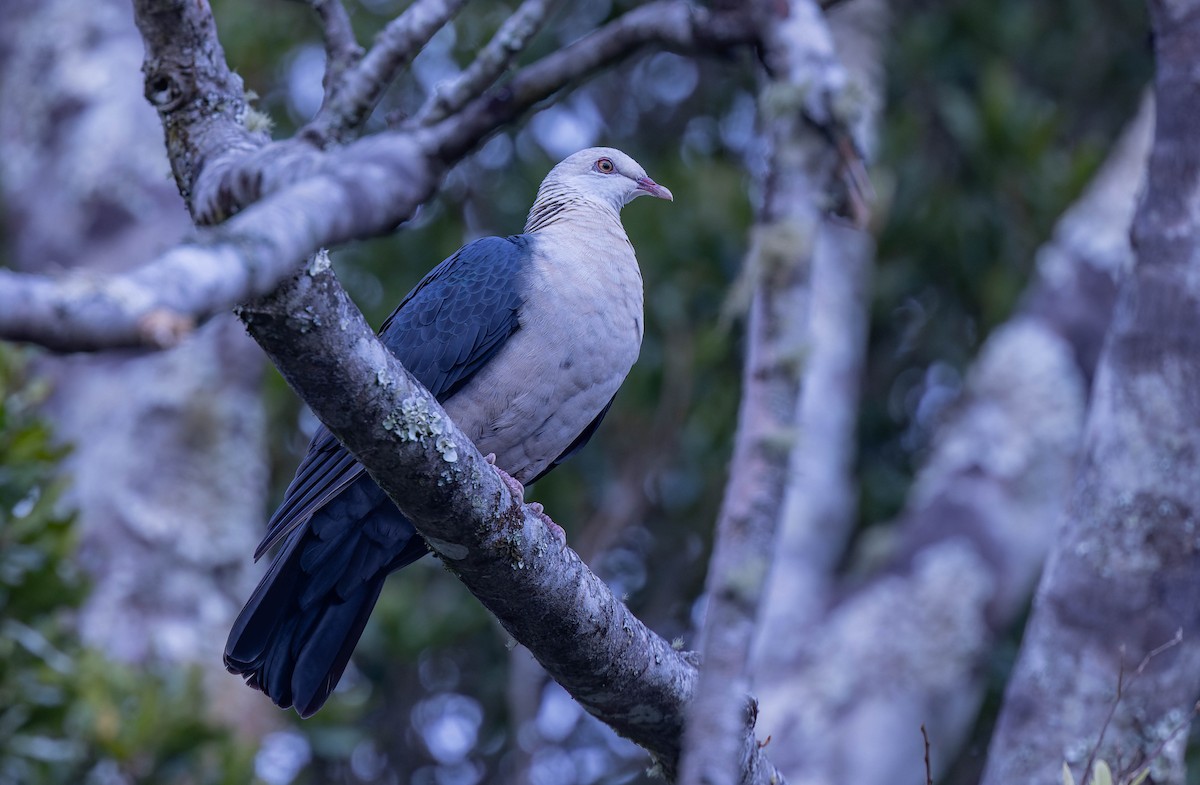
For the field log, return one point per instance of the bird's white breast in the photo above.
(580, 333)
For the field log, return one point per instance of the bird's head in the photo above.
(605, 174)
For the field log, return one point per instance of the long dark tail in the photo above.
(294, 638)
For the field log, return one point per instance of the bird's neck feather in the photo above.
(557, 205)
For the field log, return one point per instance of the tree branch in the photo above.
(351, 98)
(200, 101)
(342, 51)
(538, 588)
(820, 507)
(359, 191)
(300, 198)
(508, 42)
(1125, 571)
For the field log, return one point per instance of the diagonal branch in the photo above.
(508, 42)
(538, 588)
(351, 98)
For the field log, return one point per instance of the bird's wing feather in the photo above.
(444, 331)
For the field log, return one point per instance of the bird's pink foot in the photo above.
(554, 528)
(512, 483)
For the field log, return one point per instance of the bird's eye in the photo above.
(605, 166)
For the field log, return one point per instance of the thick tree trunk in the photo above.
(1124, 578)
(167, 468)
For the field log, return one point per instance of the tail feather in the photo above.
(294, 638)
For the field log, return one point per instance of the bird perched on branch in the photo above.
(524, 341)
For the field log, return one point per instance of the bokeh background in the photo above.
(996, 116)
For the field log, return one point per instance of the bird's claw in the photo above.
(512, 483)
(518, 493)
(537, 509)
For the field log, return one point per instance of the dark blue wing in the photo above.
(459, 315)
(444, 331)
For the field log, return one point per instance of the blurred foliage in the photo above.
(68, 715)
(997, 116)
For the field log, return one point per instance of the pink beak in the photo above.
(654, 189)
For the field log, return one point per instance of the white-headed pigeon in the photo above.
(524, 340)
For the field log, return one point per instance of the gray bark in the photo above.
(1125, 575)
(805, 85)
(167, 464)
(908, 646)
(821, 501)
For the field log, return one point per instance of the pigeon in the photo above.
(524, 341)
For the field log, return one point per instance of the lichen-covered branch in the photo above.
(369, 188)
(508, 42)
(538, 588)
(821, 503)
(200, 100)
(1125, 574)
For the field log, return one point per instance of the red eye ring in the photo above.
(605, 166)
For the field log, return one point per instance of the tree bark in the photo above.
(167, 464)
(803, 109)
(909, 645)
(1125, 576)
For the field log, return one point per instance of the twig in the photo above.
(355, 95)
(508, 42)
(342, 51)
(928, 768)
(1136, 775)
(1122, 684)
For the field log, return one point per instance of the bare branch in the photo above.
(1124, 570)
(677, 25)
(352, 98)
(301, 198)
(822, 497)
(342, 51)
(508, 42)
(200, 100)
(362, 190)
